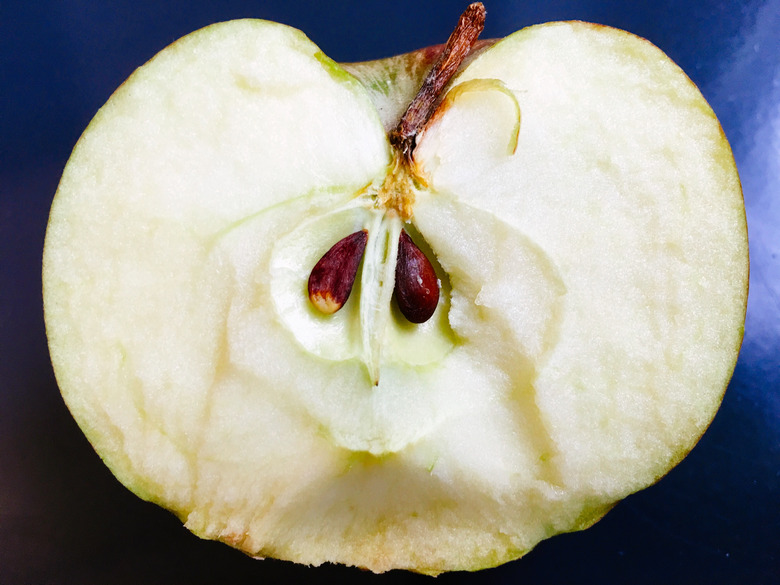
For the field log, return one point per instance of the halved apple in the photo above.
(582, 215)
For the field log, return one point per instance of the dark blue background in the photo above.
(63, 517)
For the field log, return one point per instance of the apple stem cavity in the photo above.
(457, 48)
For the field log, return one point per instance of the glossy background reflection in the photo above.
(63, 517)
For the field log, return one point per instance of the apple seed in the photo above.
(332, 278)
(416, 284)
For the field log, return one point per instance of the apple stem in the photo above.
(458, 46)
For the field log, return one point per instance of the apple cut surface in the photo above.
(622, 176)
(583, 214)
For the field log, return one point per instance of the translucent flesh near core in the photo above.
(593, 291)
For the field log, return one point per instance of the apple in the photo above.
(418, 313)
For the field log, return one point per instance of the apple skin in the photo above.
(141, 401)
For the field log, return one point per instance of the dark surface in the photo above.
(63, 517)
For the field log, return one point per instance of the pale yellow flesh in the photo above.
(593, 268)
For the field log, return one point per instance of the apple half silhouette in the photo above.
(581, 217)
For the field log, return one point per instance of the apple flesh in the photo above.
(582, 211)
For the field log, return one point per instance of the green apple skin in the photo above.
(584, 213)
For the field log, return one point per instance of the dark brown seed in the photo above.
(416, 285)
(332, 278)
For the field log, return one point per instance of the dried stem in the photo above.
(458, 46)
